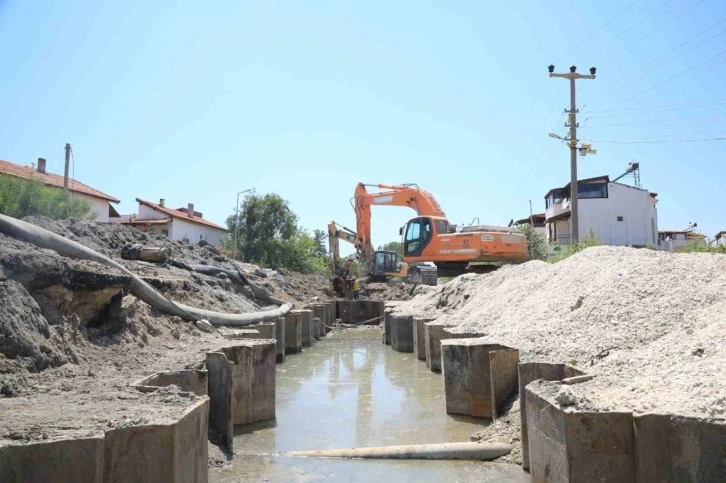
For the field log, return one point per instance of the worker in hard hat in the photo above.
(356, 289)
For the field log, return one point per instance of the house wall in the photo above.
(99, 206)
(640, 217)
(181, 229)
(146, 212)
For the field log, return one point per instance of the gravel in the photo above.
(649, 324)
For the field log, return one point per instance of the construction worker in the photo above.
(356, 289)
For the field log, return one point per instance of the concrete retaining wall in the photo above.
(280, 332)
(306, 319)
(478, 377)
(387, 326)
(529, 372)
(188, 380)
(402, 333)
(63, 461)
(293, 332)
(165, 453)
(434, 333)
(419, 337)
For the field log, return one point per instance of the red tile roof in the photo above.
(179, 214)
(50, 179)
(146, 221)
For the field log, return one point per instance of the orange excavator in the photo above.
(431, 238)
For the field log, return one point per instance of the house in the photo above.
(183, 224)
(615, 213)
(100, 202)
(537, 221)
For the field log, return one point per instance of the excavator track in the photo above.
(454, 269)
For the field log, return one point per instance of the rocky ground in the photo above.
(73, 339)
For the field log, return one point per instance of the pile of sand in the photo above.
(649, 324)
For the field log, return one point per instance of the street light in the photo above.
(236, 221)
(556, 136)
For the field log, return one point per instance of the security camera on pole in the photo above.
(572, 141)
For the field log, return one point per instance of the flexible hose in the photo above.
(45, 239)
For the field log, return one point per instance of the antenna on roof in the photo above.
(634, 171)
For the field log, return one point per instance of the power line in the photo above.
(662, 141)
(671, 78)
(598, 30)
(651, 32)
(687, 105)
(544, 148)
(628, 76)
(631, 27)
(656, 121)
(529, 113)
(630, 113)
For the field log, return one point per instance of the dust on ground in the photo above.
(73, 338)
(649, 324)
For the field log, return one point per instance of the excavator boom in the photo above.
(430, 237)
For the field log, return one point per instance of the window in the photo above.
(620, 218)
(165, 232)
(442, 226)
(413, 236)
(592, 190)
(201, 237)
(426, 229)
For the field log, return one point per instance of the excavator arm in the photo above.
(409, 195)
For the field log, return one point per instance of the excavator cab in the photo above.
(386, 264)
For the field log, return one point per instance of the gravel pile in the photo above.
(650, 324)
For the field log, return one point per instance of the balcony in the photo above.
(557, 209)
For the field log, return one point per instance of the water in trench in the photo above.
(350, 390)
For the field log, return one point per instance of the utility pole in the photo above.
(68, 164)
(574, 212)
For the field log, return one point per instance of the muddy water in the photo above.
(350, 390)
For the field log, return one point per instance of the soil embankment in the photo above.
(72, 338)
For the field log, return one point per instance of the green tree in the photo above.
(320, 239)
(536, 245)
(394, 246)
(268, 235)
(20, 197)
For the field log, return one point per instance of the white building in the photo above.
(183, 224)
(100, 202)
(537, 221)
(615, 213)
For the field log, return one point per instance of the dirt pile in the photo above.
(73, 338)
(649, 324)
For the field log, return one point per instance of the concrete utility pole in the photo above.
(236, 221)
(573, 76)
(68, 164)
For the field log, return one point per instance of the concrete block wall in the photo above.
(401, 333)
(167, 453)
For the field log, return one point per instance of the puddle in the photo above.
(350, 391)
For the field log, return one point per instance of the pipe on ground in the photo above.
(440, 451)
(45, 239)
(259, 292)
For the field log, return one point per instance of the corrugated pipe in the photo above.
(45, 239)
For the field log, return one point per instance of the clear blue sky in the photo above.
(195, 101)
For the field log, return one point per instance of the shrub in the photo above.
(21, 197)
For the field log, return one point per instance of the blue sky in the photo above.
(195, 101)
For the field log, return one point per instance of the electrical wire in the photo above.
(544, 148)
(661, 141)
(662, 107)
(531, 107)
(631, 27)
(671, 78)
(597, 31)
(657, 121)
(650, 33)
(629, 75)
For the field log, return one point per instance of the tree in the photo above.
(268, 235)
(536, 245)
(320, 238)
(20, 197)
(394, 246)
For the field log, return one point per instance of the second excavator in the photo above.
(431, 238)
